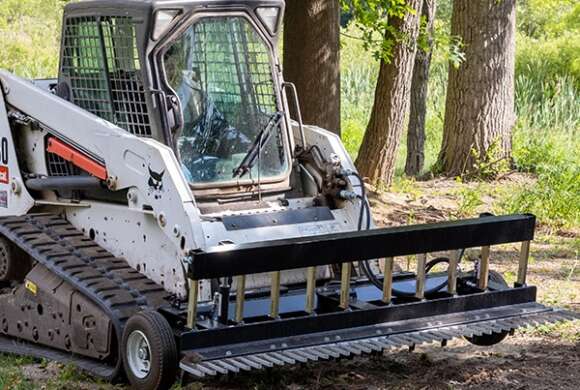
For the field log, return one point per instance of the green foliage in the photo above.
(489, 165)
(554, 199)
(469, 201)
(541, 18)
(10, 373)
(29, 31)
(406, 185)
(560, 330)
(546, 140)
(553, 58)
(70, 373)
(359, 75)
(371, 18)
(547, 40)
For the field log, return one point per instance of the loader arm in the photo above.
(129, 160)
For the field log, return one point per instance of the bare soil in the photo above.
(543, 358)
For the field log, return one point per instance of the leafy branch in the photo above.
(371, 18)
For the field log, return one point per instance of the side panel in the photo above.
(134, 236)
(14, 198)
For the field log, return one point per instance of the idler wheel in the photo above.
(14, 263)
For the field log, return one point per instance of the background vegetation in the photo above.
(546, 141)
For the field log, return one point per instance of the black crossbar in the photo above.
(328, 249)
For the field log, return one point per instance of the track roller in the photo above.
(149, 352)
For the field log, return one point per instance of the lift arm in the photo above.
(129, 160)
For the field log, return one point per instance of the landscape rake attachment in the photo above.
(353, 318)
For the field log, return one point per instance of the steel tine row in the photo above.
(482, 283)
(365, 346)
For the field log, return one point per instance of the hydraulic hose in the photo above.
(365, 265)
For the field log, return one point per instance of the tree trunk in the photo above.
(378, 152)
(312, 60)
(419, 88)
(479, 113)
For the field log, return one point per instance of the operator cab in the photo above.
(202, 77)
(220, 68)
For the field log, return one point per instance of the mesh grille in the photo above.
(57, 166)
(127, 91)
(101, 61)
(83, 64)
(240, 79)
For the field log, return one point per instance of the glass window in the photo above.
(220, 68)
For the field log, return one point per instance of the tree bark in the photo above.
(312, 59)
(419, 89)
(378, 152)
(479, 113)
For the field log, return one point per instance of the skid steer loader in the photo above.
(161, 214)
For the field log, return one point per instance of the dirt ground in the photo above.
(547, 357)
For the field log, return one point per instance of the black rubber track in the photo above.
(109, 281)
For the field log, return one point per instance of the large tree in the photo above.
(312, 61)
(377, 155)
(419, 88)
(479, 114)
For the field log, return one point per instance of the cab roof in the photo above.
(154, 4)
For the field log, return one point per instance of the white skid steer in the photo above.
(160, 213)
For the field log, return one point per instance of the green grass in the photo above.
(10, 374)
(547, 144)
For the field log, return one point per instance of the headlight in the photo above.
(270, 17)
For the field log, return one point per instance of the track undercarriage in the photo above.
(77, 297)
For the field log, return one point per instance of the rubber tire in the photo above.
(487, 340)
(16, 265)
(164, 359)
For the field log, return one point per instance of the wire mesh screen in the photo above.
(127, 92)
(83, 65)
(235, 70)
(101, 61)
(221, 70)
(57, 166)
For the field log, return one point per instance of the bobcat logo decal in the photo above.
(156, 180)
